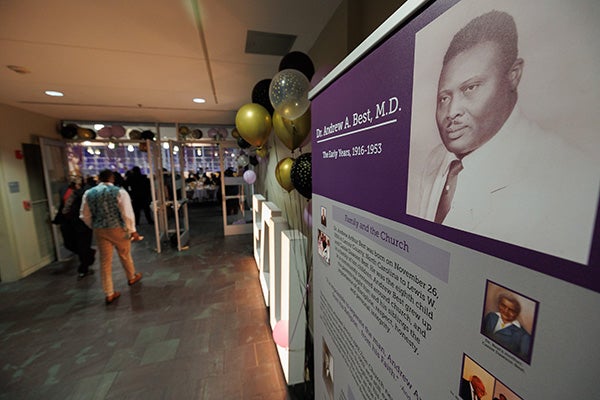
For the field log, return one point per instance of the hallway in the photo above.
(195, 327)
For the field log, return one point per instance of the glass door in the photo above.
(179, 228)
(56, 175)
(157, 184)
(236, 194)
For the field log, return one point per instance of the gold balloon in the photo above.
(86, 134)
(235, 133)
(184, 131)
(283, 173)
(262, 151)
(292, 132)
(134, 134)
(253, 123)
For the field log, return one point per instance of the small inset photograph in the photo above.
(475, 382)
(323, 216)
(323, 246)
(509, 320)
(478, 384)
(501, 392)
(328, 369)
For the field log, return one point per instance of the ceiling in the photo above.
(144, 61)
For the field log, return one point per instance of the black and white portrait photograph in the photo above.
(504, 140)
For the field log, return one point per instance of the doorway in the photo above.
(39, 203)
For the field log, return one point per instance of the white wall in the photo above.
(19, 251)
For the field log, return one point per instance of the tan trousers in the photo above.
(106, 239)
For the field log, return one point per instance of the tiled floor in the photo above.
(195, 327)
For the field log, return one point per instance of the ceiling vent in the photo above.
(273, 44)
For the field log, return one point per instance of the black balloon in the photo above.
(242, 143)
(298, 61)
(260, 95)
(253, 160)
(301, 175)
(148, 135)
(69, 131)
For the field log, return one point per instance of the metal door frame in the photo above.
(179, 202)
(231, 229)
(157, 187)
(62, 253)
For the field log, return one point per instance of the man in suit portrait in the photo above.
(472, 389)
(504, 328)
(496, 173)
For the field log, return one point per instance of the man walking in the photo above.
(107, 209)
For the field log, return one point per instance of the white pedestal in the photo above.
(268, 211)
(276, 226)
(257, 201)
(293, 298)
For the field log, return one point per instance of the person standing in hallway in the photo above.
(77, 237)
(107, 209)
(141, 194)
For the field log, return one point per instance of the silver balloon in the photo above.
(243, 160)
(288, 93)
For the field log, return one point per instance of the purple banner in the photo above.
(375, 125)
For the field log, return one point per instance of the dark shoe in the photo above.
(112, 297)
(84, 274)
(136, 278)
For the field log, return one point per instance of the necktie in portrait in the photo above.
(448, 191)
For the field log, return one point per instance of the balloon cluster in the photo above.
(115, 131)
(217, 133)
(296, 174)
(135, 134)
(186, 133)
(281, 103)
(72, 131)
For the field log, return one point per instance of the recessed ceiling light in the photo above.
(54, 93)
(199, 100)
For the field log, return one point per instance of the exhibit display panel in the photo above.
(456, 176)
